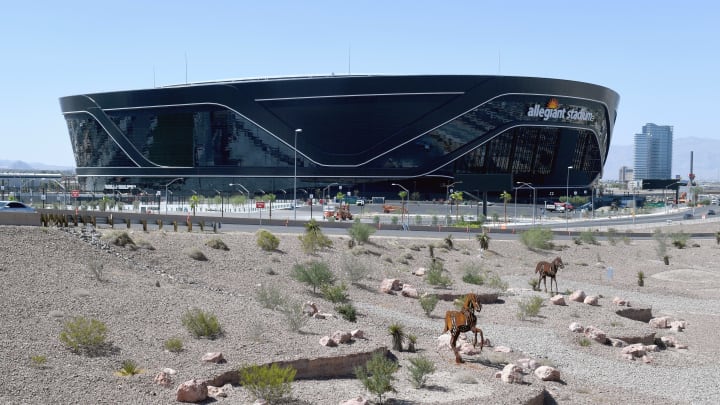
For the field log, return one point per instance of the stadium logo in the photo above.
(552, 110)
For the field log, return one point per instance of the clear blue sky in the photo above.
(660, 56)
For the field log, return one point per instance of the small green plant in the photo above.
(313, 273)
(196, 254)
(412, 341)
(38, 361)
(270, 298)
(588, 237)
(397, 333)
(295, 318)
(395, 219)
(428, 302)
(360, 232)
(435, 275)
(493, 280)
(84, 335)
(267, 241)
(420, 369)
(355, 269)
(377, 375)
(679, 239)
(584, 342)
(528, 307)
(448, 242)
(534, 283)
(484, 240)
(314, 239)
(472, 275)
(537, 238)
(347, 311)
(640, 278)
(174, 345)
(272, 383)
(717, 237)
(217, 243)
(661, 242)
(334, 293)
(201, 324)
(129, 368)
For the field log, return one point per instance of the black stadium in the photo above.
(362, 132)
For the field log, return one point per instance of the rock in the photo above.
(577, 296)
(619, 301)
(617, 342)
(558, 300)
(409, 291)
(168, 370)
(163, 379)
(681, 346)
(419, 272)
(528, 364)
(591, 300)
(669, 341)
(214, 357)
(389, 285)
(318, 316)
(547, 373)
(502, 349)
(357, 334)
(647, 359)
(341, 337)
(216, 392)
(634, 350)
(677, 326)
(636, 314)
(511, 374)
(192, 391)
(596, 334)
(356, 401)
(327, 341)
(469, 349)
(660, 322)
(310, 308)
(576, 327)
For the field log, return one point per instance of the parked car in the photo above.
(711, 212)
(15, 206)
(688, 216)
(360, 202)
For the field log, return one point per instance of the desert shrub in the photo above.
(679, 239)
(174, 345)
(420, 369)
(201, 324)
(418, 219)
(493, 280)
(377, 375)
(334, 293)
(435, 275)
(528, 307)
(196, 254)
(295, 318)
(395, 219)
(472, 275)
(129, 368)
(484, 240)
(267, 241)
(38, 361)
(397, 333)
(537, 238)
(314, 239)
(640, 278)
(435, 220)
(143, 244)
(217, 243)
(612, 235)
(313, 273)
(588, 237)
(354, 269)
(360, 232)
(660, 239)
(412, 340)
(534, 283)
(272, 383)
(448, 242)
(584, 342)
(428, 302)
(118, 238)
(84, 335)
(270, 298)
(347, 311)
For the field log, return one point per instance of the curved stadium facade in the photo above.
(362, 132)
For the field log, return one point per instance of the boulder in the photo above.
(409, 291)
(163, 379)
(214, 357)
(577, 296)
(310, 308)
(576, 327)
(511, 374)
(327, 341)
(619, 302)
(677, 326)
(356, 401)
(659, 322)
(636, 314)
(591, 300)
(558, 300)
(547, 373)
(341, 337)
(389, 285)
(419, 272)
(502, 349)
(357, 334)
(217, 392)
(596, 334)
(192, 391)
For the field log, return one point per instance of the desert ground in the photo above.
(51, 275)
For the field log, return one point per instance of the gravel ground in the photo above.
(47, 277)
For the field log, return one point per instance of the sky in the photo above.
(662, 57)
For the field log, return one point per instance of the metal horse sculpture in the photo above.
(464, 321)
(549, 269)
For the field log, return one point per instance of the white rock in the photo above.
(547, 373)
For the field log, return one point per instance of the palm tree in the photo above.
(269, 198)
(506, 197)
(194, 202)
(402, 196)
(457, 197)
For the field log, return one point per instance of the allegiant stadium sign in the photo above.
(552, 110)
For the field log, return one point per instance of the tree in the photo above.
(269, 198)
(456, 197)
(194, 202)
(377, 375)
(506, 197)
(402, 196)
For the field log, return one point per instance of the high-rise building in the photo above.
(653, 152)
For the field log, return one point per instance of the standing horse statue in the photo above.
(549, 269)
(464, 321)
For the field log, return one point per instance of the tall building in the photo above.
(653, 152)
(625, 174)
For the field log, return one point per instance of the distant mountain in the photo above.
(706, 164)
(24, 166)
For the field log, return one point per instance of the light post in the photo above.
(222, 204)
(523, 185)
(567, 198)
(297, 131)
(328, 190)
(447, 193)
(166, 192)
(247, 192)
(407, 192)
(664, 199)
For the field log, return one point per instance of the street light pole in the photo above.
(407, 192)
(529, 185)
(567, 199)
(222, 204)
(166, 192)
(295, 176)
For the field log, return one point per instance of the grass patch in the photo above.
(84, 335)
(201, 324)
(272, 383)
(174, 345)
(528, 307)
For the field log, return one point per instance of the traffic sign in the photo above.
(259, 204)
